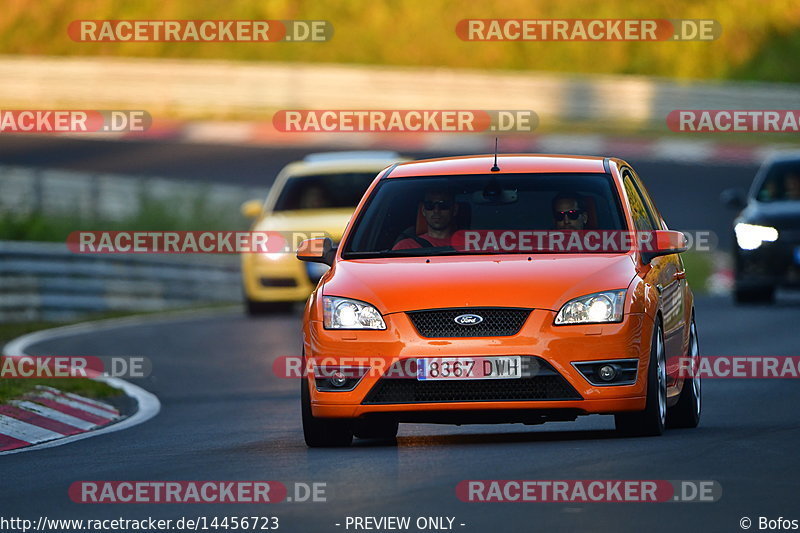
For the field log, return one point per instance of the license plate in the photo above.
(455, 368)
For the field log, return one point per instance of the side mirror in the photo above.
(317, 251)
(661, 242)
(251, 208)
(733, 198)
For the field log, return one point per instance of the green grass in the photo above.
(16, 388)
(759, 40)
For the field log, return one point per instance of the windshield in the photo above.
(782, 183)
(426, 215)
(323, 191)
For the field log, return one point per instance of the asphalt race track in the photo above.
(225, 416)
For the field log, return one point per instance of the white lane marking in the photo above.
(102, 413)
(23, 431)
(58, 416)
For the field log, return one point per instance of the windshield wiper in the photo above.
(408, 252)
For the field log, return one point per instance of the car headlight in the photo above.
(593, 309)
(344, 313)
(750, 236)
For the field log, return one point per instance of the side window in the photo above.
(642, 218)
(649, 205)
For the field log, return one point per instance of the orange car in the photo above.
(437, 308)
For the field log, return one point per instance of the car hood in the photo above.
(330, 221)
(544, 282)
(782, 215)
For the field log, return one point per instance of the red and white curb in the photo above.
(48, 414)
(47, 418)
(690, 150)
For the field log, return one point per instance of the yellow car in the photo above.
(314, 197)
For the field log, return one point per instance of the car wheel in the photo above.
(652, 420)
(754, 295)
(686, 413)
(383, 429)
(266, 308)
(322, 432)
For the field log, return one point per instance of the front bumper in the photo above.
(282, 279)
(771, 264)
(557, 346)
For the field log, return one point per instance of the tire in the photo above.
(651, 421)
(382, 429)
(322, 432)
(254, 308)
(686, 413)
(754, 295)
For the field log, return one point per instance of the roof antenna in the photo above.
(495, 168)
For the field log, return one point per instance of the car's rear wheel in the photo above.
(383, 429)
(652, 420)
(322, 432)
(754, 295)
(686, 413)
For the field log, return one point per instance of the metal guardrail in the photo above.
(109, 197)
(189, 87)
(45, 281)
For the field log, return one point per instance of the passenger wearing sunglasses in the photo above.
(567, 212)
(440, 210)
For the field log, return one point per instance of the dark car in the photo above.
(767, 231)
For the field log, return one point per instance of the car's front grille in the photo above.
(790, 236)
(496, 321)
(278, 282)
(546, 384)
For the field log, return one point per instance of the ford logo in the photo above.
(468, 320)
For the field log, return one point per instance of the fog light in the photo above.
(607, 373)
(338, 379)
(330, 378)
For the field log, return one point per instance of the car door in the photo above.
(664, 272)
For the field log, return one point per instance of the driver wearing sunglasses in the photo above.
(439, 209)
(567, 212)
